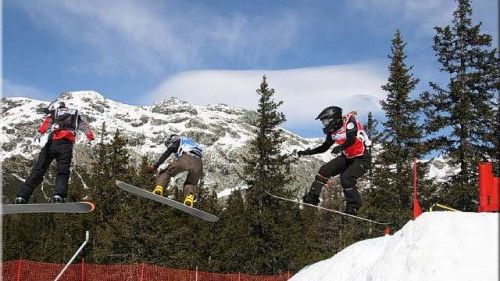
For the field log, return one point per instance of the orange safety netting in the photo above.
(25, 270)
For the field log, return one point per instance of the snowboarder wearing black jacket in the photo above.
(188, 155)
(62, 123)
(350, 139)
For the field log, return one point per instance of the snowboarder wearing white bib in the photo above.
(347, 133)
(62, 123)
(188, 155)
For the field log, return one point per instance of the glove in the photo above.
(37, 137)
(337, 149)
(90, 135)
(152, 169)
(303, 152)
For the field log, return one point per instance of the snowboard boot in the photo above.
(20, 200)
(189, 201)
(158, 190)
(350, 210)
(57, 199)
(312, 197)
(353, 200)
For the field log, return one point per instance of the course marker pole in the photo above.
(74, 256)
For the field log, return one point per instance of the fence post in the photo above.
(19, 267)
(142, 272)
(387, 230)
(83, 268)
(417, 210)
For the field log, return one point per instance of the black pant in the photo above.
(350, 171)
(62, 151)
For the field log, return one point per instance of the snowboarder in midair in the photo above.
(62, 123)
(351, 139)
(188, 155)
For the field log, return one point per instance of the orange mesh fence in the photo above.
(25, 270)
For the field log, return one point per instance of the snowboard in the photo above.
(326, 209)
(163, 200)
(70, 207)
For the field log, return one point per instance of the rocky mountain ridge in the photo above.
(223, 131)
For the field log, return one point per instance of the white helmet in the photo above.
(56, 104)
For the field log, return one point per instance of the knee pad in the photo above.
(321, 179)
(324, 170)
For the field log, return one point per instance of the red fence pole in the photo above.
(19, 267)
(83, 268)
(142, 272)
(489, 189)
(417, 210)
(387, 230)
(485, 185)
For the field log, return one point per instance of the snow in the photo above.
(223, 131)
(436, 246)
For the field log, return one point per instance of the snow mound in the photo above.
(436, 246)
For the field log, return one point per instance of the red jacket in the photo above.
(359, 145)
(70, 133)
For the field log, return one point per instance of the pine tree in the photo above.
(231, 254)
(462, 117)
(268, 169)
(112, 163)
(371, 129)
(400, 140)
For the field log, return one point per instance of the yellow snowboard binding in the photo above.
(189, 201)
(158, 190)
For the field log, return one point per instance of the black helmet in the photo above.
(331, 117)
(173, 138)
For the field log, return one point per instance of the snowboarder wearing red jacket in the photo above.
(350, 139)
(62, 124)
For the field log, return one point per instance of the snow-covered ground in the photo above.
(436, 246)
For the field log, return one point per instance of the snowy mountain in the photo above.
(222, 130)
(436, 246)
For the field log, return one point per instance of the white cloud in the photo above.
(305, 91)
(124, 34)
(421, 16)
(11, 89)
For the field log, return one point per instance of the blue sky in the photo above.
(315, 53)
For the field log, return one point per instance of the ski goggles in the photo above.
(326, 122)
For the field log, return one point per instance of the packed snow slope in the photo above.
(436, 246)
